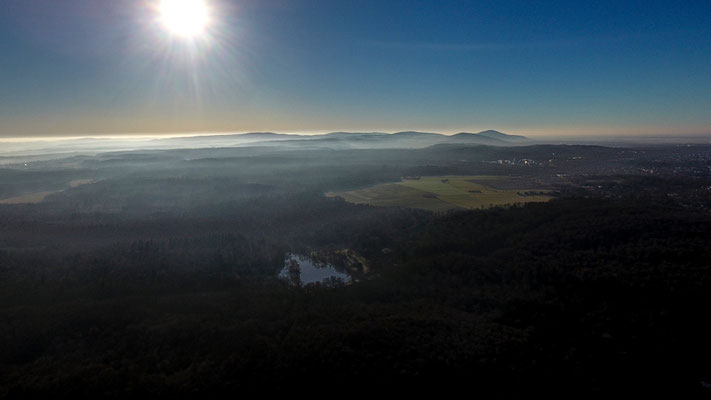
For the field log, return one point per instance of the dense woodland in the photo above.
(161, 277)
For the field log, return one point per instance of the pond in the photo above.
(303, 270)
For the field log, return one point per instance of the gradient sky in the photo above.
(89, 67)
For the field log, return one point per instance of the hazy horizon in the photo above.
(534, 135)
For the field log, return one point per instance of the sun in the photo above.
(184, 18)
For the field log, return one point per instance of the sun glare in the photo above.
(184, 18)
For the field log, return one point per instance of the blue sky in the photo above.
(89, 67)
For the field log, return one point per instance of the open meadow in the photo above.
(441, 193)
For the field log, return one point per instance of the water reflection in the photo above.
(303, 270)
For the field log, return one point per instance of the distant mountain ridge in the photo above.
(354, 133)
(503, 136)
(492, 134)
(416, 133)
(349, 140)
(273, 140)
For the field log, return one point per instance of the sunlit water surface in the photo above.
(303, 270)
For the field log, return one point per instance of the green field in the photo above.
(441, 193)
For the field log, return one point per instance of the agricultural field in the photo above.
(442, 193)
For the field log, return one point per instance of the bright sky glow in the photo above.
(184, 18)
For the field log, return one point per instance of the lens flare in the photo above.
(185, 18)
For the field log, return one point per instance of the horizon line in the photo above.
(534, 135)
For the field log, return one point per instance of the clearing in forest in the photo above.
(441, 193)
